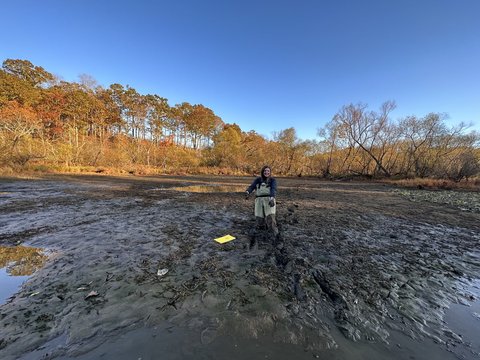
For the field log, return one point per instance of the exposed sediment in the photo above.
(356, 259)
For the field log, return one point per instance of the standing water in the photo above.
(17, 263)
(464, 320)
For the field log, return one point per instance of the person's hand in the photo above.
(271, 202)
(247, 194)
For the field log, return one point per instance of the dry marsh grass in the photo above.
(437, 184)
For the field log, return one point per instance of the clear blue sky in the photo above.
(265, 65)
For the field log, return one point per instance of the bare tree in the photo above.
(366, 130)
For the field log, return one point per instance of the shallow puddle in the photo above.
(9, 285)
(17, 263)
(464, 320)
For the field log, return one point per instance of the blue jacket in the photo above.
(271, 183)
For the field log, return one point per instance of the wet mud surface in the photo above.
(360, 271)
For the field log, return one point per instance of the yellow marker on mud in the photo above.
(224, 239)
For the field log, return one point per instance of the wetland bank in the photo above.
(364, 271)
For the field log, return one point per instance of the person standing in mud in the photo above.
(265, 187)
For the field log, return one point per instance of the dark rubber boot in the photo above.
(272, 225)
(259, 223)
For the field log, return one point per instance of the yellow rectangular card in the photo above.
(224, 239)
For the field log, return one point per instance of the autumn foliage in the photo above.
(49, 124)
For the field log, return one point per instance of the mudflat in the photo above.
(129, 269)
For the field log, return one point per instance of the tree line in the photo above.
(47, 122)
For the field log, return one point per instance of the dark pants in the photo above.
(269, 222)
